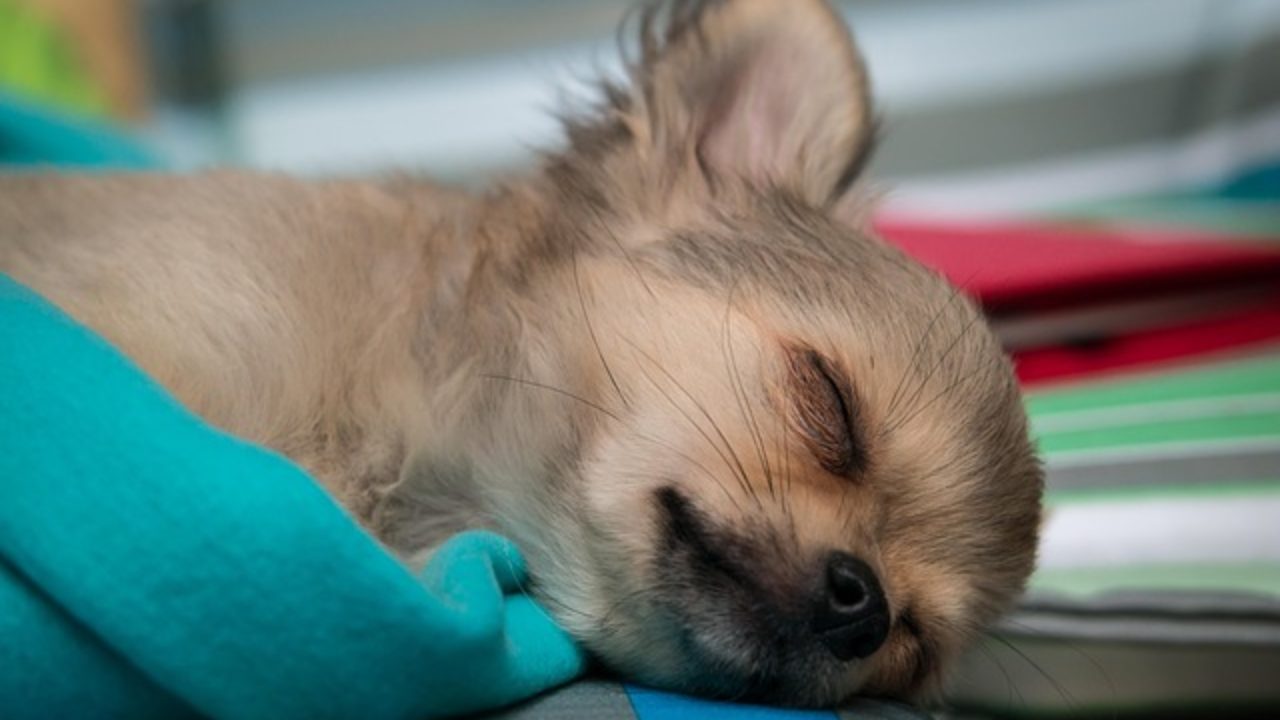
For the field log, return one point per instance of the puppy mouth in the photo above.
(748, 674)
(706, 584)
(744, 616)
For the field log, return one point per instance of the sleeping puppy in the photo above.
(750, 450)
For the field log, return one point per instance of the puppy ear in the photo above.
(769, 91)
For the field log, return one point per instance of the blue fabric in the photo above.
(31, 135)
(649, 704)
(152, 566)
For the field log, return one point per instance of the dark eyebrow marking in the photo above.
(827, 409)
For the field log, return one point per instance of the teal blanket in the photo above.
(152, 566)
(32, 135)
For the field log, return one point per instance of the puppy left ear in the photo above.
(770, 91)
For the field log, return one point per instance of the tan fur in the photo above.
(545, 358)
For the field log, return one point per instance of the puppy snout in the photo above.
(851, 617)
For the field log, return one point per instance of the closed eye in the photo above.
(827, 413)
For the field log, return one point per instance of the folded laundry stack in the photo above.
(1150, 350)
(1072, 301)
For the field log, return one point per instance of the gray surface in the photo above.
(606, 700)
(281, 40)
(868, 709)
(1189, 465)
(292, 43)
(1127, 651)
(1162, 630)
(1046, 675)
(583, 700)
(1162, 104)
(1180, 603)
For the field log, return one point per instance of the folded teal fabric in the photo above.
(152, 566)
(32, 135)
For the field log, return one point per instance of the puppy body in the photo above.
(749, 449)
(279, 310)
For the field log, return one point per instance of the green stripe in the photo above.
(1128, 400)
(1241, 577)
(1123, 415)
(1254, 375)
(1178, 431)
(1144, 493)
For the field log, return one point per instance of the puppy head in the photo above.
(791, 475)
(751, 450)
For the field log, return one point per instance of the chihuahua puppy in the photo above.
(751, 450)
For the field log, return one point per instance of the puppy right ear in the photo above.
(768, 92)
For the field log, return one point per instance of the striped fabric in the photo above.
(1159, 579)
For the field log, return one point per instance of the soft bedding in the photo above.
(151, 566)
(1158, 588)
(1159, 579)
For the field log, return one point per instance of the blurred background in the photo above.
(990, 106)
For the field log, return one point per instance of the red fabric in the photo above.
(1017, 268)
(1184, 343)
(1021, 267)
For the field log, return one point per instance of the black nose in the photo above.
(852, 617)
